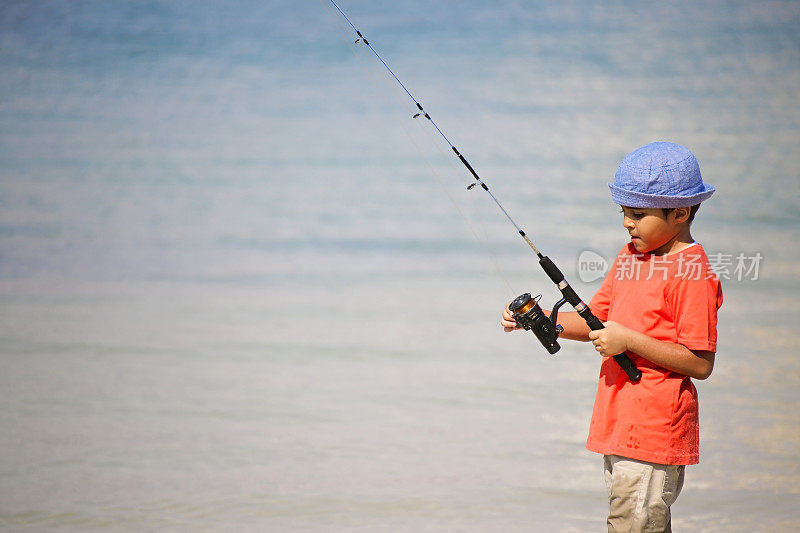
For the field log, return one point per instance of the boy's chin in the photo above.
(639, 246)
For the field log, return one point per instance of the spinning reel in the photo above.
(529, 315)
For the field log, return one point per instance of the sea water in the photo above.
(241, 289)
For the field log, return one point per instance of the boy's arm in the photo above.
(616, 338)
(575, 327)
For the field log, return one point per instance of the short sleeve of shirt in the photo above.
(601, 301)
(694, 304)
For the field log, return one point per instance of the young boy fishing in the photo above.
(659, 304)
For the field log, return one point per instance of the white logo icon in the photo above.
(591, 266)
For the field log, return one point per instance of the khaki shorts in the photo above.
(640, 494)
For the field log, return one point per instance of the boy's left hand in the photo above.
(611, 340)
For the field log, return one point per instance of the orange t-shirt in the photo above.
(672, 298)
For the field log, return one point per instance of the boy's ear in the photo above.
(681, 214)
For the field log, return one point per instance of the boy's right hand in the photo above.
(507, 321)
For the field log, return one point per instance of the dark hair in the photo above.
(692, 211)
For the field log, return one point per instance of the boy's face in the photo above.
(650, 229)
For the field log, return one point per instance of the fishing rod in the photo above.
(525, 309)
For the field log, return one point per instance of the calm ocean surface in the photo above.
(235, 293)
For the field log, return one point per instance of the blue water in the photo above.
(243, 290)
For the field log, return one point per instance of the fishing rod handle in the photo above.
(621, 358)
(583, 310)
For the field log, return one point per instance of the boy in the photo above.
(659, 304)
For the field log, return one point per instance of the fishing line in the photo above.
(483, 240)
(526, 310)
(483, 243)
(423, 113)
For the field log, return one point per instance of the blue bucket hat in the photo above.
(659, 174)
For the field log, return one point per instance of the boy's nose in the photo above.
(627, 223)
